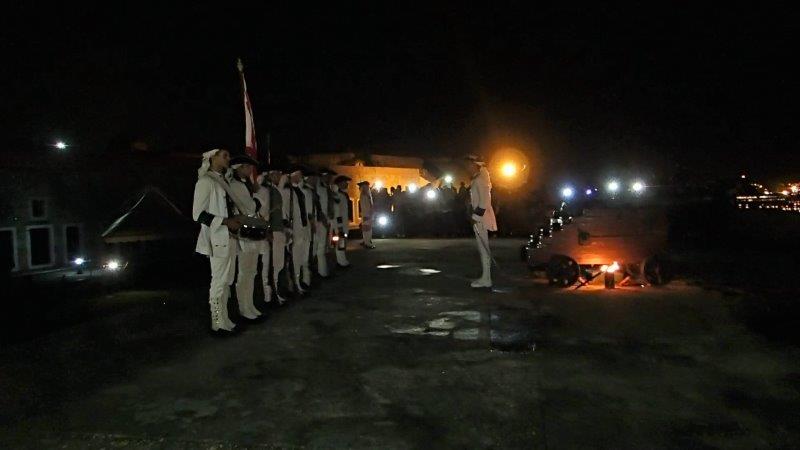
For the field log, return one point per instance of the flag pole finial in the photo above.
(239, 64)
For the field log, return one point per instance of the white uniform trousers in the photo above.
(341, 246)
(223, 269)
(321, 249)
(366, 230)
(301, 247)
(248, 269)
(482, 239)
(273, 258)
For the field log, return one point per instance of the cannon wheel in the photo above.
(562, 271)
(656, 270)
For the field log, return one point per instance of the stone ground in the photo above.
(398, 352)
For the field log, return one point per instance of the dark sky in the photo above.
(584, 90)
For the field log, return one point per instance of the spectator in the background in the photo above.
(463, 191)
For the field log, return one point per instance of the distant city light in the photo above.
(509, 169)
(795, 189)
(61, 145)
(448, 179)
(785, 192)
(613, 186)
(431, 194)
(412, 187)
(567, 192)
(637, 187)
(744, 176)
(383, 220)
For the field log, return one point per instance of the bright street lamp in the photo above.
(613, 186)
(61, 145)
(509, 169)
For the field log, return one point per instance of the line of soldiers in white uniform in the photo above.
(304, 210)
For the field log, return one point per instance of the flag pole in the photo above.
(250, 146)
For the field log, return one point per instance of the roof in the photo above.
(152, 217)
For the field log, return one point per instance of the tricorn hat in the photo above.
(239, 160)
(341, 178)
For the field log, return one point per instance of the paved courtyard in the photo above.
(398, 352)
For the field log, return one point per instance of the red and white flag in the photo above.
(250, 146)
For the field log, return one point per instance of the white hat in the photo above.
(206, 164)
(475, 159)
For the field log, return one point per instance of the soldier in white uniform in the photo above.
(325, 216)
(212, 210)
(247, 256)
(483, 219)
(366, 207)
(301, 229)
(311, 211)
(275, 211)
(341, 218)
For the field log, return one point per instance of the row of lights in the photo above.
(412, 187)
(613, 186)
(112, 265)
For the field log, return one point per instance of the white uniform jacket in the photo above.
(241, 191)
(262, 196)
(480, 193)
(341, 219)
(365, 205)
(210, 208)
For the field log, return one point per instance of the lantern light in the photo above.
(431, 194)
(509, 169)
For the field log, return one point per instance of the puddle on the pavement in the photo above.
(472, 316)
(442, 324)
(502, 290)
(512, 331)
(430, 271)
(467, 334)
(387, 266)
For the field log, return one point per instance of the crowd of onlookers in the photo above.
(439, 211)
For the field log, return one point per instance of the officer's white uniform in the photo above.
(366, 207)
(210, 207)
(480, 192)
(341, 224)
(247, 255)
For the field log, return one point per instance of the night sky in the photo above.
(586, 91)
